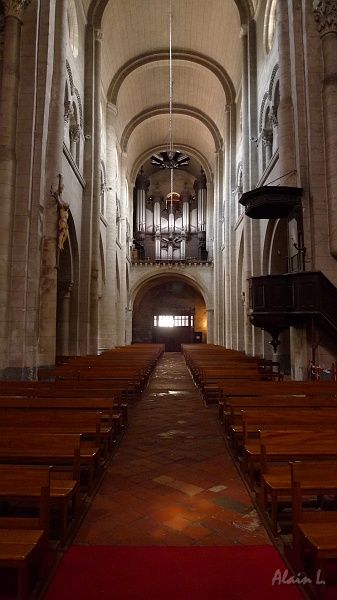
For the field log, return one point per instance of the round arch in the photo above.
(146, 281)
(162, 110)
(97, 7)
(179, 298)
(177, 55)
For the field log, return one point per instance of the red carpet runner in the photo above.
(170, 573)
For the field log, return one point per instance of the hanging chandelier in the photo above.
(170, 159)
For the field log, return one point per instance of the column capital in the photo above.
(243, 31)
(325, 14)
(267, 137)
(15, 8)
(98, 33)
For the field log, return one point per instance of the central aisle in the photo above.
(172, 481)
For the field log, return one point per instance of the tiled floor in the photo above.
(172, 482)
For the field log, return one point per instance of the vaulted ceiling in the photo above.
(206, 73)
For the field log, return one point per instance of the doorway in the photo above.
(170, 313)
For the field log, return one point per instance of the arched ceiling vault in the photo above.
(161, 55)
(206, 66)
(162, 110)
(96, 9)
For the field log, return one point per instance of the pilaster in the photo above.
(325, 14)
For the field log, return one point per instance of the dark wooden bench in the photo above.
(54, 448)
(110, 422)
(281, 446)
(275, 482)
(72, 389)
(24, 540)
(231, 389)
(314, 532)
(87, 423)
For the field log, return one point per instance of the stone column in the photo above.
(123, 265)
(14, 12)
(285, 113)
(210, 325)
(63, 318)
(96, 198)
(248, 335)
(226, 215)
(267, 141)
(108, 319)
(53, 169)
(74, 134)
(325, 13)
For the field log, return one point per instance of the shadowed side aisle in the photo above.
(172, 481)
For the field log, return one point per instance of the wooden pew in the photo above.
(109, 424)
(87, 423)
(314, 531)
(24, 540)
(276, 481)
(72, 389)
(232, 389)
(285, 445)
(65, 475)
(16, 447)
(238, 430)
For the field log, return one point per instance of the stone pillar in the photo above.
(53, 169)
(96, 199)
(267, 141)
(121, 313)
(246, 143)
(14, 12)
(252, 103)
(325, 13)
(210, 325)
(108, 319)
(226, 215)
(74, 134)
(218, 267)
(285, 113)
(142, 184)
(63, 318)
(87, 201)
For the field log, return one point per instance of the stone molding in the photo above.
(325, 14)
(15, 8)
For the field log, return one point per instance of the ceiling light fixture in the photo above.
(170, 159)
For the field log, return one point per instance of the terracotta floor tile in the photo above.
(167, 513)
(196, 532)
(129, 516)
(172, 480)
(177, 523)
